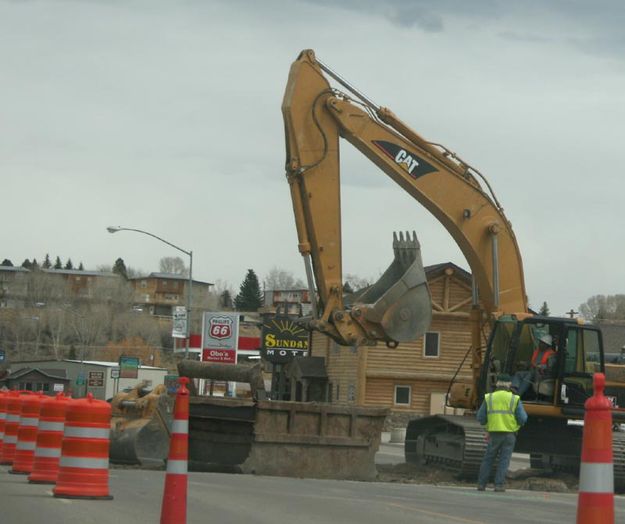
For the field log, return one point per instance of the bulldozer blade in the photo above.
(141, 440)
(399, 302)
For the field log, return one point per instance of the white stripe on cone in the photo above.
(177, 467)
(29, 422)
(596, 477)
(26, 446)
(48, 452)
(180, 426)
(44, 425)
(79, 432)
(87, 463)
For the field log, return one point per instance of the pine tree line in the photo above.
(46, 264)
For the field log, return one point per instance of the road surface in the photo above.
(233, 499)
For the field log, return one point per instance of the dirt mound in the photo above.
(528, 479)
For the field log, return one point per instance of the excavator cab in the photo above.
(564, 379)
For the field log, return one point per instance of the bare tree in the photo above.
(357, 283)
(603, 307)
(173, 265)
(279, 278)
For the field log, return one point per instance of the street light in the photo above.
(113, 229)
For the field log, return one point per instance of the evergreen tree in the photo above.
(72, 353)
(347, 289)
(35, 265)
(46, 262)
(544, 310)
(249, 297)
(7, 263)
(27, 264)
(119, 268)
(57, 263)
(69, 264)
(81, 267)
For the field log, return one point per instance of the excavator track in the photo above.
(455, 443)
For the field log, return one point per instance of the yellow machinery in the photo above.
(504, 332)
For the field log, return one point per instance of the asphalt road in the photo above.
(252, 499)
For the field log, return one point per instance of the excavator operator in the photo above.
(542, 366)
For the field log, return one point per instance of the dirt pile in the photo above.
(528, 479)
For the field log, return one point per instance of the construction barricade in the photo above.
(49, 440)
(83, 467)
(3, 416)
(174, 506)
(10, 428)
(595, 504)
(27, 434)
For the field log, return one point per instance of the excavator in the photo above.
(504, 331)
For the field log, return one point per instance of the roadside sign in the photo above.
(171, 383)
(220, 333)
(96, 379)
(179, 327)
(2, 355)
(114, 372)
(80, 379)
(283, 340)
(58, 388)
(128, 367)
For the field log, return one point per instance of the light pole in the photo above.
(112, 229)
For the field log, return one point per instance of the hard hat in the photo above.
(547, 339)
(503, 380)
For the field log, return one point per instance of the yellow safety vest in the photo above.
(500, 408)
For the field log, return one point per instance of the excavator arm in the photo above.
(315, 116)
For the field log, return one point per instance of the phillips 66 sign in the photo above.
(220, 333)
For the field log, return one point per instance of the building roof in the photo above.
(80, 272)
(50, 373)
(436, 268)
(170, 276)
(88, 362)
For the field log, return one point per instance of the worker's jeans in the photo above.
(501, 443)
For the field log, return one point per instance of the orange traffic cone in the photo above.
(84, 464)
(27, 435)
(10, 428)
(174, 507)
(4, 398)
(595, 503)
(49, 440)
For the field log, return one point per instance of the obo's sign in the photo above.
(220, 333)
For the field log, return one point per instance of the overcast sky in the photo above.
(165, 116)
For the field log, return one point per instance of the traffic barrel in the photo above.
(3, 416)
(84, 463)
(174, 506)
(595, 503)
(27, 434)
(10, 428)
(49, 440)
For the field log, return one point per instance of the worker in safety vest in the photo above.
(503, 415)
(542, 366)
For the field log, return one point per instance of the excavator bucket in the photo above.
(141, 426)
(399, 302)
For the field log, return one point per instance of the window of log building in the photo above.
(402, 395)
(431, 345)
